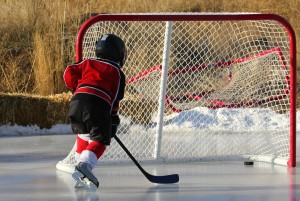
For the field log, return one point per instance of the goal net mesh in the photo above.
(227, 92)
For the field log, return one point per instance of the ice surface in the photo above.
(28, 156)
(27, 172)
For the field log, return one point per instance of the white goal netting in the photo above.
(221, 92)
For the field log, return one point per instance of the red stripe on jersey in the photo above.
(94, 91)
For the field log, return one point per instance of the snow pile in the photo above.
(16, 130)
(251, 119)
(219, 119)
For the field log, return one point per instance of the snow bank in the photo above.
(210, 119)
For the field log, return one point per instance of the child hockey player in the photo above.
(97, 86)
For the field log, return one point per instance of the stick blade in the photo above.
(166, 179)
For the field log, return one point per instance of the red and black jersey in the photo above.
(101, 78)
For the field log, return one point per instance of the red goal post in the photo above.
(256, 74)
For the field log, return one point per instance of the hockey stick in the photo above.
(166, 179)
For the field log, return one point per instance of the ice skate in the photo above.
(84, 177)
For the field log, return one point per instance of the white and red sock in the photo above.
(82, 141)
(92, 153)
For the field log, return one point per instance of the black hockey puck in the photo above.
(248, 163)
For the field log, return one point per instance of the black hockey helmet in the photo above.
(111, 47)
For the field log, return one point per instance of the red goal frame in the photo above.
(213, 17)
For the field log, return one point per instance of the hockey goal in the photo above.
(202, 87)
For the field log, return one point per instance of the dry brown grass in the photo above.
(38, 38)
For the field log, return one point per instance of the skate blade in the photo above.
(82, 181)
(78, 185)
